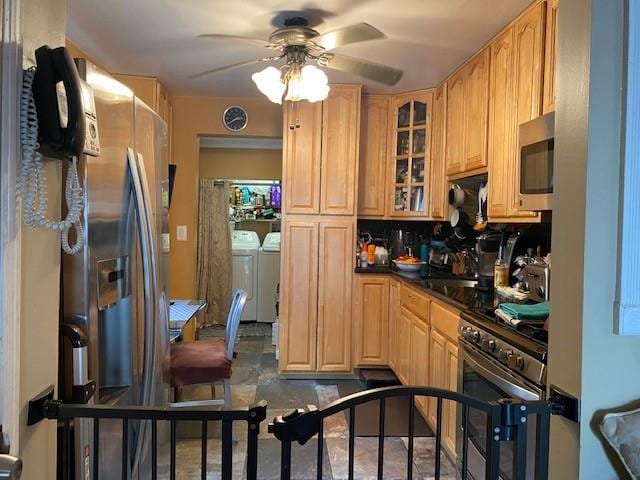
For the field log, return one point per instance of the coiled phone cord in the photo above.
(32, 186)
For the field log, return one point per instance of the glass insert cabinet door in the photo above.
(411, 154)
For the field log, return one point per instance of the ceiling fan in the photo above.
(297, 43)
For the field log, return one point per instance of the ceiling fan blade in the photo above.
(227, 67)
(254, 41)
(373, 71)
(359, 32)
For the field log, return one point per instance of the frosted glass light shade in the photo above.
(269, 82)
(306, 83)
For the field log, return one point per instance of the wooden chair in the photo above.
(207, 361)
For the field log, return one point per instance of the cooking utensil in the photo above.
(481, 222)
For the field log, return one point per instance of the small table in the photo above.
(182, 319)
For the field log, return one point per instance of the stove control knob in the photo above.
(505, 355)
(475, 336)
(488, 345)
(520, 363)
(540, 291)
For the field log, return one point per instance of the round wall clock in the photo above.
(235, 118)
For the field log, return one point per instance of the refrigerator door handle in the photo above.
(147, 270)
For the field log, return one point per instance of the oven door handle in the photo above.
(486, 369)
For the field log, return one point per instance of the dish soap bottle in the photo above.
(500, 271)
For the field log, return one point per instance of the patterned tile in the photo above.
(188, 459)
(424, 456)
(366, 458)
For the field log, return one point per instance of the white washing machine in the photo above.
(268, 277)
(245, 246)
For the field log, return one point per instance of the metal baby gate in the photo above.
(507, 421)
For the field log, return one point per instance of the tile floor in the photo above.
(255, 377)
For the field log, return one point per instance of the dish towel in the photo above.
(537, 311)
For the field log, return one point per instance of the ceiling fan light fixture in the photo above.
(269, 82)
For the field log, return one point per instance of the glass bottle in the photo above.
(500, 271)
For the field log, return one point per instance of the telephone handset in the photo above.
(57, 92)
(56, 111)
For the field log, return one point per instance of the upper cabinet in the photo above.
(321, 153)
(454, 125)
(516, 94)
(467, 113)
(438, 202)
(302, 138)
(549, 96)
(476, 104)
(373, 155)
(340, 129)
(410, 154)
(528, 74)
(501, 125)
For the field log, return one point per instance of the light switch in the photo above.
(181, 233)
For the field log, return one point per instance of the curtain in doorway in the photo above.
(214, 258)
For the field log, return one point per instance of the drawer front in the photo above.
(415, 302)
(445, 320)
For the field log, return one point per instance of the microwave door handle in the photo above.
(489, 371)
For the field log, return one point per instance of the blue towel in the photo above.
(536, 311)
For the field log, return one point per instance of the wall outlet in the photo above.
(181, 233)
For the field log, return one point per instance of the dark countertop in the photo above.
(441, 287)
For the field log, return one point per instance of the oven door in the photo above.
(481, 377)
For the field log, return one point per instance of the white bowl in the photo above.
(409, 267)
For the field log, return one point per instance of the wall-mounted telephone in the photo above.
(57, 119)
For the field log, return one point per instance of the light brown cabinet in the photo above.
(451, 408)
(419, 357)
(403, 345)
(299, 296)
(320, 145)
(316, 286)
(551, 37)
(371, 319)
(443, 368)
(501, 123)
(335, 272)
(476, 103)
(372, 176)
(410, 119)
(438, 197)
(437, 346)
(302, 137)
(394, 313)
(340, 128)
(454, 125)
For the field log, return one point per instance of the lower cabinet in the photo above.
(443, 369)
(394, 313)
(403, 345)
(371, 315)
(418, 358)
(316, 296)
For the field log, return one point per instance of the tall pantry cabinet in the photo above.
(320, 172)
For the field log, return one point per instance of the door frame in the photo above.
(10, 224)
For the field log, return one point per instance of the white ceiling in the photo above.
(426, 38)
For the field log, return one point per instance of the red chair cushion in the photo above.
(202, 361)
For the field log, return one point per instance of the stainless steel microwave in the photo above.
(536, 141)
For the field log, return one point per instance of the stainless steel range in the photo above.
(498, 361)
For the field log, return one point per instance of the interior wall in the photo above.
(240, 163)
(194, 117)
(43, 23)
(585, 358)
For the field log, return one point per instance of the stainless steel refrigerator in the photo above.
(115, 290)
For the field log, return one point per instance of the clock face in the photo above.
(235, 118)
